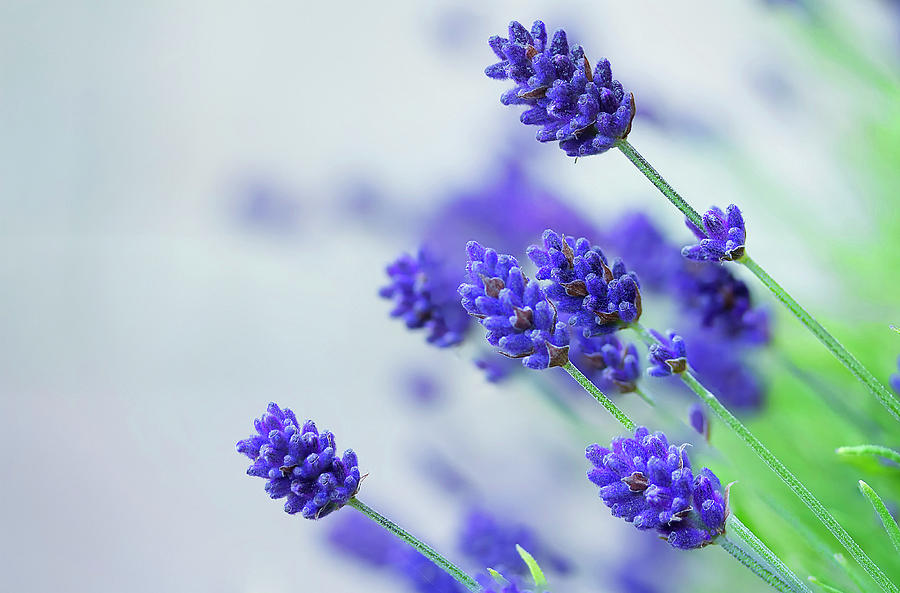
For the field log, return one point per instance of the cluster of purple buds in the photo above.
(516, 313)
(599, 298)
(300, 464)
(585, 110)
(668, 355)
(424, 297)
(722, 237)
(649, 483)
(607, 362)
(722, 301)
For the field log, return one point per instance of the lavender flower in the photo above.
(586, 111)
(599, 298)
(300, 464)
(489, 541)
(607, 362)
(722, 237)
(494, 587)
(698, 420)
(515, 311)
(648, 482)
(721, 367)
(425, 576)
(668, 356)
(657, 261)
(423, 297)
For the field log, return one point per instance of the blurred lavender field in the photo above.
(197, 203)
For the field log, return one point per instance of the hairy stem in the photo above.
(599, 396)
(842, 354)
(887, 520)
(426, 550)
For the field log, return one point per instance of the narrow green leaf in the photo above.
(873, 450)
(890, 525)
(497, 577)
(536, 573)
(827, 588)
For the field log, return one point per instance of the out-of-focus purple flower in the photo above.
(649, 483)
(494, 587)
(656, 260)
(895, 378)
(491, 542)
(422, 387)
(425, 576)
(607, 362)
(585, 110)
(496, 369)
(358, 536)
(668, 356)
(520, 320)
(599, 298)
(723, 302)
(698, 419)
(722, 237)
(424, 297)
(721, 368)
(300, 464)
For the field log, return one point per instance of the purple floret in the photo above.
(300, 464)
(607, 362)
(520, 320)
(648, 482)
(722, 237)
(584, 109)
(598, 298)
(668, 356)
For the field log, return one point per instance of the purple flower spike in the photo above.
(584, 109)
(668, 356)
(300, 464)
(520, 320)
(609, 363)
(648, 482)
(722, 237)
(424, 297)
(599, 298)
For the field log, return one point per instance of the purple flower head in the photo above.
(698, 419)
(424, 297)
(722, 237)
(607, 362)
(520, 320)
(585, 110)
(649, 483)
(895, 378)
(648, 252)
(722, 301)
(599, 298)
(489, 541)
(668, 356)
(300, 464)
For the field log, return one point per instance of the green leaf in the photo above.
(497, 577)
(536, 573)
(890, 525)
(874, 450)
(827, 588)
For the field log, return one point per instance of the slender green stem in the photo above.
(826, 588)
(660, 183)
(862, 373)
(599, 395)
(736, 527)
(645, 396)
(758, 569)
(874, 450)
(842, 354)
(426, 550)
(887, 520)
(802, 492)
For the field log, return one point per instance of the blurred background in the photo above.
(197, 204)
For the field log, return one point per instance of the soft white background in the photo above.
(144, 323)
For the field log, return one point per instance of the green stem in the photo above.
(793, 483)
(645, 396)
(660, 183)
(890, 525)
(758, 569)
(426, 550)
(874, 450)
(599, 395)
(762, 551)
(826, 588)
(842, 354)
